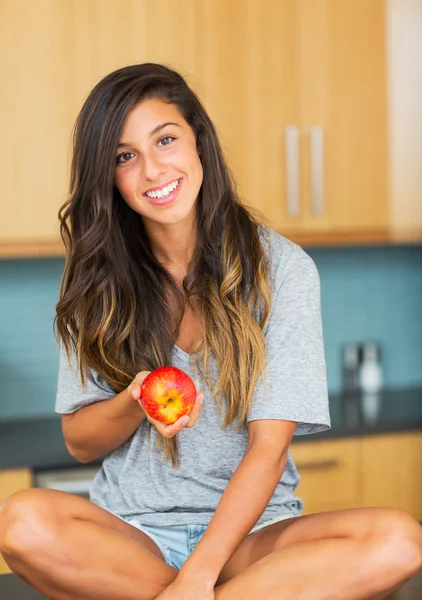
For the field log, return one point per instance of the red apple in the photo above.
(167, 394)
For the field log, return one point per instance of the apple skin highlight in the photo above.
(167, 394)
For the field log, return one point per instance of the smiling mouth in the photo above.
(165, 194)
(164, 191)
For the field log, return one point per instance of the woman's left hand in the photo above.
(188, 590)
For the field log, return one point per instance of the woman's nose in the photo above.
(153, 167)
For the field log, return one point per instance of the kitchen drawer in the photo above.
(330, 474)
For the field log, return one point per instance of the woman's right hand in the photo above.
(167, 431)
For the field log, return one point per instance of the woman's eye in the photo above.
(124, 157)
(166, 140)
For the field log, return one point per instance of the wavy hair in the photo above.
(113, 308)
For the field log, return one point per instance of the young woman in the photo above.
(165, 266)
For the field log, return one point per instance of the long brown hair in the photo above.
(113, 310)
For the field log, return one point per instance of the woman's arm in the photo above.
(100, 428)
(244, 500)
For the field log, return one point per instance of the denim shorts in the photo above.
(177, 542)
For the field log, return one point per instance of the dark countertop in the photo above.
(38, 443)
(14, 588)
(399, 411)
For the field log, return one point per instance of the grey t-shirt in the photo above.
(135, 482)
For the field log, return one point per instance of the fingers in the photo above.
(135, 387)
(171, 430)
(196, 410)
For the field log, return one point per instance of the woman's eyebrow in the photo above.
(153, 132)
(160, 127)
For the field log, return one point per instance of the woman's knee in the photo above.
(398, 540)
(27, 521)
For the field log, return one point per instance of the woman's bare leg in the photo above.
(343, 555)
(70, 549)
(323, 570)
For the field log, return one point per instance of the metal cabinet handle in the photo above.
(329, 463)
(317, 169)
(292, 170)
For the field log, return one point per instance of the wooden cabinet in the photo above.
(249, 85)
(330, 474)
(12, 481)
(343, 121)
(35, 120)
(298, 92)
(104, 38)
(54, 52)
(378, 470)
(392, 472)
(304, 95)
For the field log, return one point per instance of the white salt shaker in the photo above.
(371, 381)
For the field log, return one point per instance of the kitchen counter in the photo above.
(14, 588)
(399, 410)
(37, 443)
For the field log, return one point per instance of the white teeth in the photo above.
(165, 191)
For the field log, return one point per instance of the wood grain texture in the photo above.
(257, 71)
(249, 86)
(343, 89)
(35, 118)
(392, 472)
(330, 474)
(54, 53)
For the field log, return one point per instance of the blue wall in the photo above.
(28, 350)
(367, 294)
(373, 294)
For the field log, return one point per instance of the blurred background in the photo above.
(318, 104)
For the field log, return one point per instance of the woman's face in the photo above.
(158, 171)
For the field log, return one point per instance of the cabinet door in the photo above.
(343, 94)
(34, 119)
(330, 474)
(54, 52)
(10, 482)
(248, 83)
(392, 472)
(105, 38)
